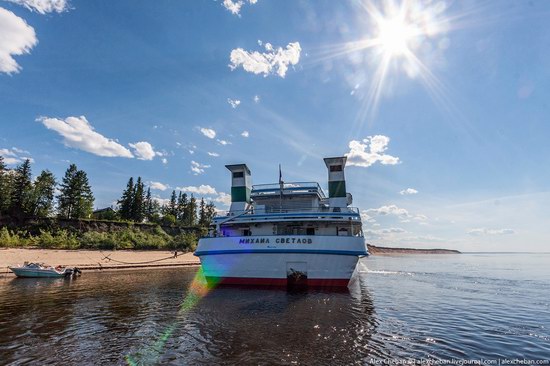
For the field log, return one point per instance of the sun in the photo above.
(394, 35)
(398, 39)
(401, 38)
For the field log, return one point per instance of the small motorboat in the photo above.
(42, 270)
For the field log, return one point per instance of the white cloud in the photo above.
(273, 61)
(223, 198)
(408, 191)
(43, 6)
(208, 132)
(369, 151)
(144, 150)
(79, 134)
(388, 210)
(161, 201)
(424, 238)
(198, 168)
(234, 6)
(392, 230)
(257, 98)
(204, 190)
(20, 151)
(484, 231)
(201, 190)
(245, 134)
(380, 233)
(16, 38)
(233, 102)
(366, 217)
(15, 156)
(213, 154)
(223, 142)
(391, 210)
(158, 186)
(164, 161)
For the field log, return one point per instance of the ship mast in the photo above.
(281, 187)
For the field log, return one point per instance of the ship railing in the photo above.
(289, 210)
(290, 187)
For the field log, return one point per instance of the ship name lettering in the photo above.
(293, 241)
(254, 241)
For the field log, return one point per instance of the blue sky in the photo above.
(448, 149)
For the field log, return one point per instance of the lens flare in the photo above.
(401, 40)
(399, 36)
(198, 289)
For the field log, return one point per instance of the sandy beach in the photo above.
(94, 259)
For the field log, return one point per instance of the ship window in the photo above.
(310, 231)
(335, 168)
(343, 232)
(238, 174)
(247, 232)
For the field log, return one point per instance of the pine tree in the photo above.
(6, 185)
(172, 206)
(43, 194)
(22, 190)
(191, 216)
(76, 199)
(210, 213)
(202, 213)
(148, 205)
(138, 204)
(156, 209)
(126, 201)
(86, 199)
(182, 206)
(66, 200)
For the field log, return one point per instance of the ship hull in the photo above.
(281, 261)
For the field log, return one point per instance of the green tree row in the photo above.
(138, 205)
(21, 196)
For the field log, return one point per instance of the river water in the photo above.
(494, 307)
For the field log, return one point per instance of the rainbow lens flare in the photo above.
(198, 289)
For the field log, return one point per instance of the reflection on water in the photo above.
(445, 307)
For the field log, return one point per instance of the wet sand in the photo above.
(94, 259)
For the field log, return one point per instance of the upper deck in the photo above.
(295, 188)
(290, 214)
(294, 201)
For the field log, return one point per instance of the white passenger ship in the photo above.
(285, 234)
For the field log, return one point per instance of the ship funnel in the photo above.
(336, 181)
(241, 185)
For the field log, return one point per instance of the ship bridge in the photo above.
(287, 197)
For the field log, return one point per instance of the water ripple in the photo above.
(398, 307)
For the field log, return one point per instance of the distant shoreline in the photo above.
(375, 250)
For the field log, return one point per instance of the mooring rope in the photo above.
(153, 261)
(90, 258)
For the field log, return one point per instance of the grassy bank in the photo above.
(127, 238)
